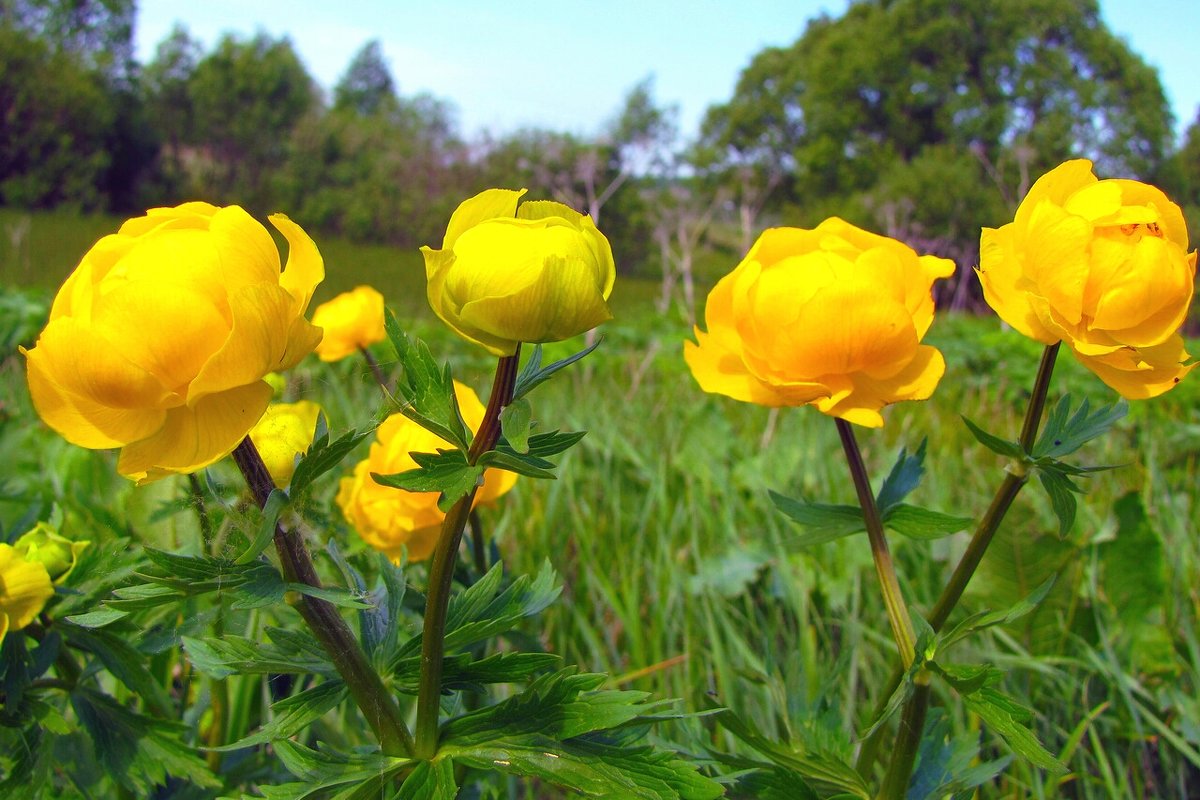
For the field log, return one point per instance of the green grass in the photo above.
(682, 580)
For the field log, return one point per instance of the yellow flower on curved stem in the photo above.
(25, 589)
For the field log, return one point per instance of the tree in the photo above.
(247, 98)
(897, 94)
(167, 80)
(98, 32)
(367, 85)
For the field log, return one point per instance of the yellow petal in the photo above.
(1144, 372)
(305, 266)
(256, 344)
(917, 381)
(285, 431)
(87, 393)
(1055, 187)
(194, 437)
(25, 588)
(719, 371)
(1145, 292)
(487, 205)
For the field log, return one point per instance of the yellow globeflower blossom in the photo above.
(159, 341)
(393, 520)
(25, 589)
(351, 321)
(1101, 265)
(831, 317)
(285, 431)
(540, 272)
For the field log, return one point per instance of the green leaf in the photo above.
(264, 586)
(431, 780)
(461, 672)
(521, 464)
(903, 479)
(229, 655)
(1008, 718)
(124, 662)
(277, 501)
(1062, 493)
(982, 620)
(343, 598)
(1135, 573)
(137, 751)
(825, 772)
(98, 618)
(426, 390)
(323, 456)
(514, 424)
(923, 524)
(446, 472)
(534, 374)
(1065, 432)
(823, 522)
(293, 714)
(946, 766)
(324, 769)
(968, 679)
(994, 443)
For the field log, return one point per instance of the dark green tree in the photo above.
(367, 86)
(167, 80)
(247, 97)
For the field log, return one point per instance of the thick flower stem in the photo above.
(897, 611)
(327, 626)
(1014, 478)
(441, 566)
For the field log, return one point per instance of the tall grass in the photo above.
(681, 579)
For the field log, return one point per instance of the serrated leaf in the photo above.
(98, 618)
(822, 522)
(947, 766)
(137, 751)
(1007, 717)
(1062, 493)
(521, 464)
(320, 770)
(338, 597)
(534, 373)
(825, 772)
(263, 586)
(293, 714)
(994, 443)
(230, 655)
(514, 424)
(461, 672)
(323, 456)
(982, 620)
(903, 479)
(1132, 591)
(124, 662)
(923, 524)
(431, 780)
(446, 472)
(1065, 433)
(968, 678)
(277, 501)
(425, 392)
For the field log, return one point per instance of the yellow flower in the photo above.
(1102, 266)
(831, 317)
(505, 275)
(159, 341)
(392, 519)
(351, 321)
(44, 545)
(285, 431)
(24, 590)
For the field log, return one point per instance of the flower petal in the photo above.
(488, 204)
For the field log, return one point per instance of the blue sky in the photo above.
(566, 66)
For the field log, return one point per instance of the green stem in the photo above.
(908, 741)
(206, 526)
(885, 569)
(327, 626)
(441, 567)
(478, 547)
(1015, 476)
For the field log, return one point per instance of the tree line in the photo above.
(917, 118)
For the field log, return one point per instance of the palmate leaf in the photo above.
(137, 751)
(362, 776)
(289, 653)
(323, 455)
(124, 662)
(425, 392)
(982, 620)
(904, 477)
(947, 766)
(532, 460)
(1009, 718)
(293, 714)
(446, 472)
(540, 733)
(461, 672)
(994, 443)
(515, 421)
(824, 522)
(1065, 432)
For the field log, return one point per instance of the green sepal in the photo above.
(446, 472)
(425, 391)
(534, 373)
